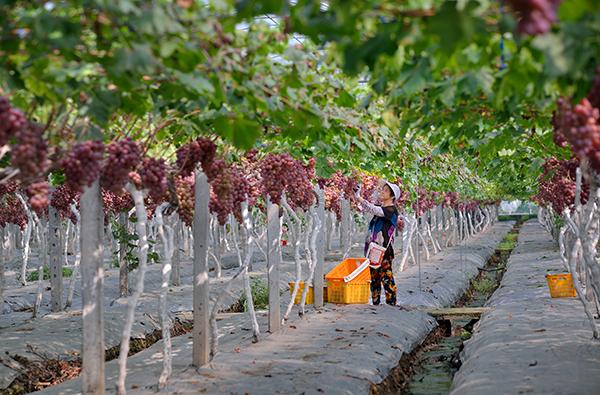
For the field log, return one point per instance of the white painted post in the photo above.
(318, 280)
(92, 278)
(123, 269)
(3, 255)
(273, 261)
(54, 250)
(201, 336)
(175, 274)
(345, 226)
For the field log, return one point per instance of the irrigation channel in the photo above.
(430, 368)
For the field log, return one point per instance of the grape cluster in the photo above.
(557, 186)
(535, 16)
(153, 173)
(450, 199)
(241, 187)
(123, 157)
(8, 187)
(221, 192)
(82, 165)
(30, 153)
(12, 211)
(425, 201)
(580, 127)
(184, 190)
(62, 198)
(11, 121)
(334, 188)
(201, 150)
(38, 196)
(251, 173)
(114, 203)
(274, 172)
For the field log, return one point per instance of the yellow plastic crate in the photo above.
(561, 285)
(310, 298)
(356, 291)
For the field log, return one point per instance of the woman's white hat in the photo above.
(395, 189)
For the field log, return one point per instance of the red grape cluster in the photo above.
(201, 150)
(62, 198)
(38, 196)
(82, 165)
(241, 187)
(369, 186)
(11, 121)
(334, 188)
(184, 190)
(535, 16)
(425, 201)
(8, 187)
(251, 171)
(153, 173)
(12, 211)
(557, 185)
(580, 127)
(30, 153)
(450, 199)
(114, 203)
(123, 157)
(221, 191)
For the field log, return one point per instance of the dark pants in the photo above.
(383, 275)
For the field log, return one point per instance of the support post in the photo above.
(318, 279)
(201, 340)
(345, 226)
(123, 269)
(273, 260)
(54, 250)
(92, 278)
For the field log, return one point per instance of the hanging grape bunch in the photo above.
(580, 127)
(30, 144)
(221, 191)
(299, 187)
(202, 151)
(11, 121)
(241, 188)
(557, 186)
(535, 16)
(38, 196)
(273, 172)
(153, 174)
(82, 165)
(62, 198)
(123, 157)
(184, 190)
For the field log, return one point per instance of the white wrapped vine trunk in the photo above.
(312, 255)
(26, 240)
(92, 279)
(76, 266)
(143, 246)
(296, 230)
(176, 273)
(246, 277)
(168, 247)
(123, 268)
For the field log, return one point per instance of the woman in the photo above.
(381, 231)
